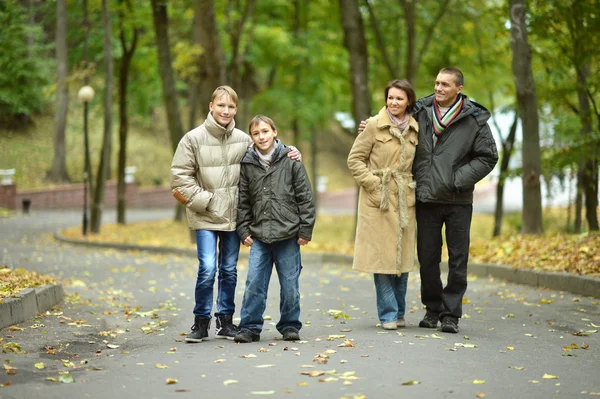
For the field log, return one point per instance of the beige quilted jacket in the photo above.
(205, 173)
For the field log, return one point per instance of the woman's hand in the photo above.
(248, 241)
(294, 154)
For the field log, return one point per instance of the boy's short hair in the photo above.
(261, 118)
(224, 90)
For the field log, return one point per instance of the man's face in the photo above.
(446, 89)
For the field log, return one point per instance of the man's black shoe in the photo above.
(429, 321)
(225, 329)
(449, 325)
(246, 336)
(291, 334)
(199, 330)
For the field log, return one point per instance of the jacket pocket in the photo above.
(289, 213)
(374, 198)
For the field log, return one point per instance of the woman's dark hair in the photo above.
(403, 85)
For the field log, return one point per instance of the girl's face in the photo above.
(397, 101)
(223, 109)
(263, 136)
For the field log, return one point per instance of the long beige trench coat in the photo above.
(381, 162)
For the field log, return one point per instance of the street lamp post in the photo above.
(86, 94)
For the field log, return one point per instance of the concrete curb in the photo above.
(576, 284)
(29, 303)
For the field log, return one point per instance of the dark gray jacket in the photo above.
(276, 203)
(465, 153)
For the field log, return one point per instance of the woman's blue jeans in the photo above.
(286, 256)
(391, 296)
(210, 257)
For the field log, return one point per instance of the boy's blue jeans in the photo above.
(210, 258)
(391, 296)
(286, 256)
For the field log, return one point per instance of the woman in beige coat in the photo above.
(381, 162)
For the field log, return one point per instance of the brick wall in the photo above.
(70, 196)
(8, 196)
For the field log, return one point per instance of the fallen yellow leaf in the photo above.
(549, 377)
(478, 382)
(313, 373)
(170, 381)
(229, 382)
(161, 366)
(39, 365)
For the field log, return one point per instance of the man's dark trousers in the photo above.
(443, 301)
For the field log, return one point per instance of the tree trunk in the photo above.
(103, 168)
(409, 23)
(355, 43)
(578, 200)
(58, 172)
(128, 53)
(507, 148)
(205, 28)
(526, 96)
(161, 30)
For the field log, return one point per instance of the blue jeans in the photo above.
(227, 255)
(286, 256)
(391, 296)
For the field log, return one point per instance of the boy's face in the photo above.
(223, 109)
(263, 136)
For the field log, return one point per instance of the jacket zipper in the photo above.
(228, 175)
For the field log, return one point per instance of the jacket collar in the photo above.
(217, 130)
(481, 114)
(252, 157)
(383, 121)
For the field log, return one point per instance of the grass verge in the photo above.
(12, 281)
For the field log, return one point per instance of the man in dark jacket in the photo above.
(456, 150)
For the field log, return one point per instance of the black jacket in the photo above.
(277, 203)
(465, 153)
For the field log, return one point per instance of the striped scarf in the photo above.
(441, 122)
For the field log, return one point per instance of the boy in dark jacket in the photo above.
(276, 215)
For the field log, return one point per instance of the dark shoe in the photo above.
(291, 334)
(429, 321)
(225, 329)
(449, 325)
(199, 330)
(246, 336)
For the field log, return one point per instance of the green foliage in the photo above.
(24, 71)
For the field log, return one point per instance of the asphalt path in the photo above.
(119, 333)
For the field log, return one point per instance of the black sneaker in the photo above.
(246, 336)
(449, 325)
(291, 334)
(199, 330)
(429, 321)
(225, 329)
